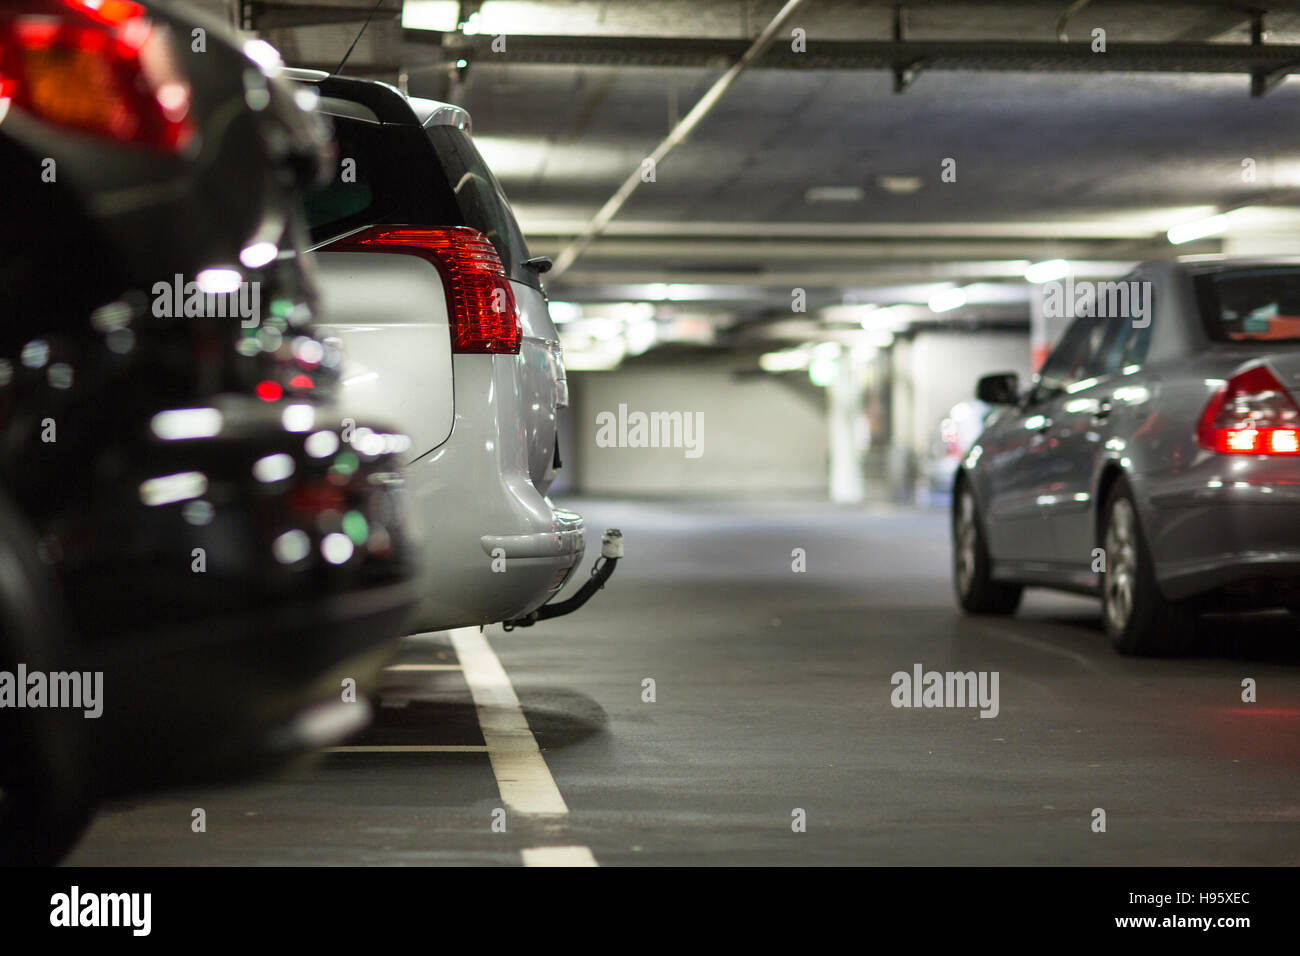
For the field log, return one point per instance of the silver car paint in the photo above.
(495, 547)
(542, 377)
(398, 349)
(1038, 472)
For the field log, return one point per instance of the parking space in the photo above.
(523, 433)
(777, 700)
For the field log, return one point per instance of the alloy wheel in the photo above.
(1121, 565)
(966, 538)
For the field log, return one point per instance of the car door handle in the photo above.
(1102, 413)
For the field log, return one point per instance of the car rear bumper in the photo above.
(1223, 529)
(566, 538)
(495, 547)
(505, 577)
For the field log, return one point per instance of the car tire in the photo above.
(1139, 619)
(977, 592)
(45, 805)
(37, 829)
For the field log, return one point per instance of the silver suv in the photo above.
(428, 284)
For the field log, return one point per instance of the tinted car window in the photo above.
(1127, 345)
(1075, 356)
(482, 202)
(1257, 305)
(1135, 349)
(387, 175)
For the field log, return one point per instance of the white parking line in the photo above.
(558, 856)
(523, 778)
(423, 667)
(525, 781)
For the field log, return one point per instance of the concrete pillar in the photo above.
(849, 436)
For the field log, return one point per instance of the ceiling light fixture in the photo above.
(1197, 229)
(1047, 271)
(834, 194)
(946, 300)
(899, 185)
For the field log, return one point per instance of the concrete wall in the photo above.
(932, 372)
(761, 434)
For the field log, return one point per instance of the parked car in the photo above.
(1155, 460)
(181, 502)
(429, 285)
(953, 437)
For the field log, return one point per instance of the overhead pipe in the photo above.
(676, 135)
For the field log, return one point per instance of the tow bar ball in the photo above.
(611, 550)
(611, 543)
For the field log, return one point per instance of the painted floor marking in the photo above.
(523, 778)
(558, 856)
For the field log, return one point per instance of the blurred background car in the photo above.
(956, 432)
(177, 482)
(1154, 461)
(427, 280)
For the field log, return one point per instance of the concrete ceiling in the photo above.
(1089, 166)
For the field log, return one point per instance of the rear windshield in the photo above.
(1251, 305)
(482, 202)
(385, 176)
(388, 175)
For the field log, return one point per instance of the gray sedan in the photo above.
(1154, 460)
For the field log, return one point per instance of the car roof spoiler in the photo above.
(385, 101)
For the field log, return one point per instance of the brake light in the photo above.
(1251, 414)
(100, 68)
(484, 314)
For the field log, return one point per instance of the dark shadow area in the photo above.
(560, 717)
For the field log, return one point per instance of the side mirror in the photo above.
(1000, 389)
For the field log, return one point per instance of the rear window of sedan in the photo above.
(1257, 305)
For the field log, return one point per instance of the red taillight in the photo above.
(484, 315)
(99, 68)
(1251, 414)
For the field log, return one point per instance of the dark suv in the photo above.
(177, 485)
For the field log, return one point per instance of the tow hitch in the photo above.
(611, 549)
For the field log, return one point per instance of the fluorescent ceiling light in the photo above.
(1047, 271)
(834, 194)
(867, 315)
(790, 360)
(883, 318)
(899, 185)
(947, 299)
(821, 371)
(640, 337)
(439, 15)
(562, 312)
(1197, 229)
